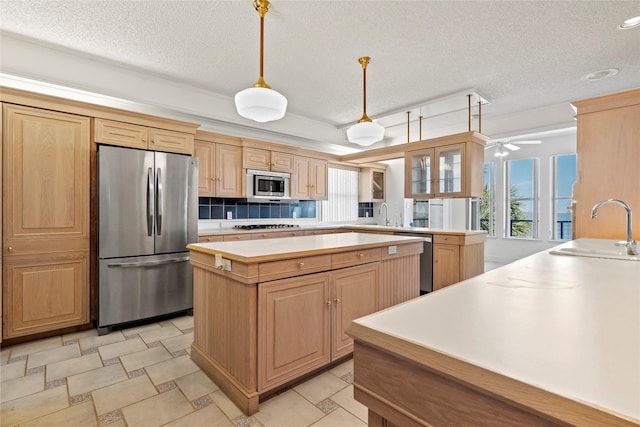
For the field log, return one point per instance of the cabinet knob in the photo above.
(337, 300)
(301, 264)
(263, 235)
(328, 302)
(360, 255)
(144, 140)
(10, 249)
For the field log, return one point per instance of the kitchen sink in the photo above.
(595, 248)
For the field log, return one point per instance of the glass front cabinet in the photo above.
(452, 170)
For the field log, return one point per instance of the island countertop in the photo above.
(557, 334)
(248, 251)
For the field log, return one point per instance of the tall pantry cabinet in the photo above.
(46, 220)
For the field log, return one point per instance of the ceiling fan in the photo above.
(510, 145)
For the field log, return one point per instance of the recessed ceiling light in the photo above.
(630, 23)
(600, 75)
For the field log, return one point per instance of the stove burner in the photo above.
(263, 226)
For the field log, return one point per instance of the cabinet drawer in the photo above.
(170, 141)
(206, 239)
(293, 267)
(236, 237)
(448, 239)
(121, 134)
(350, 258)
(281, 162)
(273, 235)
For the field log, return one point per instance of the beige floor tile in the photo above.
(211, 416)
(171, 369)
(144, 358)
(177, 343)
(121, 348)
(320, 387)
(13, 370)
(95, 379)
(340, 418)
(160, 333)
(79, 335)
(75, 416)
(33, 406)
(345, 399)
(97, 340)
(122, 394)
(53, 355)
(226, 405)
(182, 323)
(4, 356)
(141, 328)
(288, 409)
(157, 410)
(21, 387)
(119, 423)
(196, 384)
(343, 368)
(77, 365)
(34, 346)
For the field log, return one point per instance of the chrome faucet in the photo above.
(386, 213)
(630, 245)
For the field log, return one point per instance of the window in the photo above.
(488, 201)
(342, 201)
(522, 198)
(564, 175)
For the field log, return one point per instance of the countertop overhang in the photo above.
(564, 329)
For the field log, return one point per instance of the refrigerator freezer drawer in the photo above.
(137, 288)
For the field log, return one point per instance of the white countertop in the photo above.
(291, 247)
(569, 325)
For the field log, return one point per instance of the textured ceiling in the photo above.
(521, 55)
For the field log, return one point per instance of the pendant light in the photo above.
(365, 132)
(261, 103)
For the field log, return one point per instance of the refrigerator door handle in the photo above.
(149, 202)
(159, 202)
(147, 264)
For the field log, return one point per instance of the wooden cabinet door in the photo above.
(255, 158)
(45, 292)
(228, 171)
(319, 170)
(419, 174)
(446, 265)
(300, 185)
(354, 294)
(120, 134)
(293, 331)
(170, 141)
(205, 152)
(450, 171)
(281, 162)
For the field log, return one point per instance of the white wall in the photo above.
(394, 180)
(505, 250)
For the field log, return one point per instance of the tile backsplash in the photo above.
(216, 208)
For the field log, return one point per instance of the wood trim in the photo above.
(207, 136)
(399, 279)
(608, 102)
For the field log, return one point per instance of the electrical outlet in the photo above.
(391, 249)
(227, 264)
(218, 261)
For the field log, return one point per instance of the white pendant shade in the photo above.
(365, 133)
(261, 104)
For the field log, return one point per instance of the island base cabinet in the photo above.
(446, 265)
(294, 317)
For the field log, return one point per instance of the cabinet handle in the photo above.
(301, 264)
(328, 302)
(10, 249)
(337, 300)
(144, 140)
(360, 255)
(263, 235)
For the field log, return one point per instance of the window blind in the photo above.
(342, 201)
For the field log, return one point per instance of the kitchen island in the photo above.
(546, 340)
(267, 313)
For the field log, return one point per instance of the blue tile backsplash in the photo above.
(215, 208)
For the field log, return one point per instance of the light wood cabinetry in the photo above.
(445, 170)
(456, 258)
(46, 220)
(275, 161)
(446, 265)
(371, 185)
(608, 155)
(220, 169)
(309, 179)
(142, 137)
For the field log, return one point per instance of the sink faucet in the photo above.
(630, 244)
(386, 213)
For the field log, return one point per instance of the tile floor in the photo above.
(144, 376)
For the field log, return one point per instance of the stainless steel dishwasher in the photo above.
(426, 261)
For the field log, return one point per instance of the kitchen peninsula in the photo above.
(546, 340)
(268, 313)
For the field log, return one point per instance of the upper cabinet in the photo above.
(445, 169)
(219, 169)
(266, 160)
(142, 137)
(371, 185)
(309, 178)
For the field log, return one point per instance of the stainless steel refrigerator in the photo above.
(147, 214)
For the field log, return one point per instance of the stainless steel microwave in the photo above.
(267, 185)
